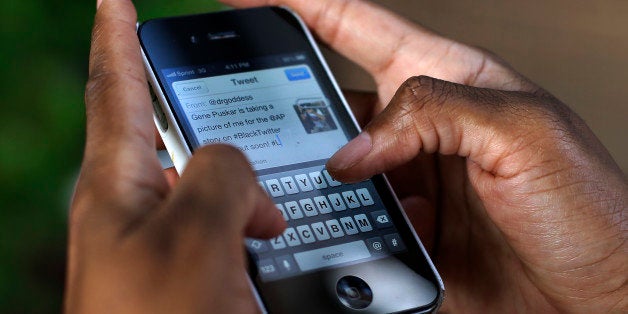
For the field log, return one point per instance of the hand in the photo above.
(138, 241)
(522, 207)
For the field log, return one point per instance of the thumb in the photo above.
(431, 115)
(218, 191)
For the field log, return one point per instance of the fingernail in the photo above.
(98, 3)
(351, 153)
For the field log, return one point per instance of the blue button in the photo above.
(296, 74)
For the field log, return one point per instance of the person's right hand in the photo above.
(528, 215)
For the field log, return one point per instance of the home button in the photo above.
(354, 292)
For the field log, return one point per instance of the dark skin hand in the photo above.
(521, 206)
(138, 242)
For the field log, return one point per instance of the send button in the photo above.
(296, 74)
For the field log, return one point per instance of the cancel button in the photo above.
(332, 255)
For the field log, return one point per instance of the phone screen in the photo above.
(276, 115)
(274, 109)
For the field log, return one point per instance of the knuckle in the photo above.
(416, 92)
(421, 93)
(423, 84)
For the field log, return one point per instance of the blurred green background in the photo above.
(43, 62)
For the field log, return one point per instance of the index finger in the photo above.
(120, 167)
(118, 104)
(393, 49)
(364, 32)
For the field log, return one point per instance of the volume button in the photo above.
(159, 113)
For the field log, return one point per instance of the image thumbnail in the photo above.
(314, 115)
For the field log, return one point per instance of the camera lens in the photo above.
(194, 39)
(353, 292)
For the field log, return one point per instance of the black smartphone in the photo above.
(255, 79)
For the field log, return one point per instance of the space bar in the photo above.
(332, 255)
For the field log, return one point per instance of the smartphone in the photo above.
(255, 79)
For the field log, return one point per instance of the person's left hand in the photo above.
(138, 241)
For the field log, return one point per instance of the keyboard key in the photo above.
(376, 246)
(332, 255)
(381, 218)
(351, 199)
(293, 210)
(304, 183)
(320, 231)
(349, 225)
(257, 246)
(363, 223)
(291, 237)
(302, 210)
(278, 243)
(317, 180)
(283, 212)
(267, 268)
(334, 228)
(336, 202)
(322, 204)
(274, 188)
(331, 180)
(394, 242)
(289, 185)
(308, 207)
(306, 234)
(286, 264)
(365, 197)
